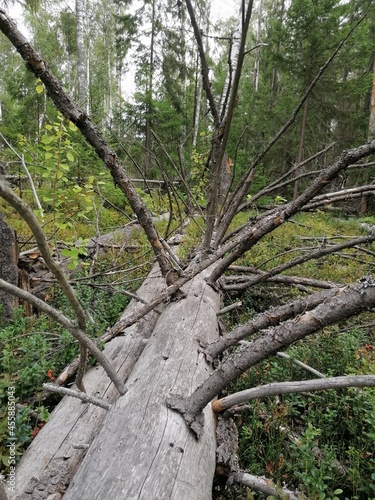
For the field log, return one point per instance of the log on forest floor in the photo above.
(144, 450)
(54, 456)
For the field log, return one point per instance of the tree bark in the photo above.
(156, 456)
(8, 267)
(75, 423)
(81, 57)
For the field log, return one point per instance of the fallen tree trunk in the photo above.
(156, 456)
(57, 451)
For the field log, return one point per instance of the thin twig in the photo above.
(22, 159)
(77, 394)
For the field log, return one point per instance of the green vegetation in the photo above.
(34, 350)
(320, 443)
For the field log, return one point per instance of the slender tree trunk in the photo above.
(275, 72)
(301, 146)
(81, 57)
(371, 135)
(371, 129)
(257, 51)
(197, 104)
(149, 95)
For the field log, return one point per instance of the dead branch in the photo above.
(235, 200)
(234, 283)
(70, 326)
(181, 177)
(299, 363)
(344, 195)
(346, 302)
(229, 308)
(77, 394)
(229, 282)
(268, 224)
(277, 388)
(28, 215)
(204, 64)
(30, 179)
(222, 130)
(267, 319)
(265, 486)
(317, 254)
(284, 181)
(296, 362)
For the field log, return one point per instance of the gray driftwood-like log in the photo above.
(57, 451)
(167, 462)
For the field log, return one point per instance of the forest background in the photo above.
(164, 133)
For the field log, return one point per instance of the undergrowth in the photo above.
(319, 443)
(35, 349)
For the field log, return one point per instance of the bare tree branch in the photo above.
(283, 180)
(204, 65)
(265, 486)
(229, 283)
(28, 215)
(346, 302)
(265, 320)
(316, 254)
(235, 200)
(253, 232)
(32, 185)
(70, 326)
(299, 363)
(77, 394)
(276, 388)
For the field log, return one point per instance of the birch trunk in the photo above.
(81, 57)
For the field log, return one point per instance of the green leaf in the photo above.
(39, 88)
(46, 139)
(70, 156)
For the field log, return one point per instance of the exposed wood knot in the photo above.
(194, 422)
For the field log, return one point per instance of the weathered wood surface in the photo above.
(52, 459)
(8, 267)
(145, 450)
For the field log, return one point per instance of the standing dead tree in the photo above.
(157, 439)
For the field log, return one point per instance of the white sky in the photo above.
(223, 8)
